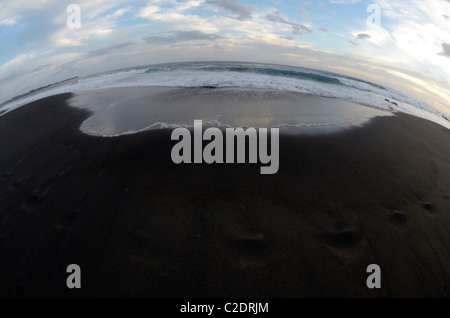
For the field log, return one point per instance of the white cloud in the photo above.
(375, 34)
(90, 9)
(410, 34)
(10, 8)
(177, 17)
(90, 32)
(8, 21)
(148, 11)
(419, 29)
(13, 63)
(345, 1)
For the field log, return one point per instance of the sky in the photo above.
(401, 44)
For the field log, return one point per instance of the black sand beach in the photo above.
(140, 225)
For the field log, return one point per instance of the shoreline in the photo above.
(124, 111)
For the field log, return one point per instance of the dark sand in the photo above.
(139, 225)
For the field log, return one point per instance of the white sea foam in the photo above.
(351, 89)
(324, 127)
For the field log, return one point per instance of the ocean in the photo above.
(250, 76)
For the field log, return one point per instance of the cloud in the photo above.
(323, 29)
(90, 33)
(296, 28)
(418, 31)
(14, 9)
(242, 12)
(306, 29)
(7, 21)
(181, 36)
(344, 1)
(108, 49)
(445, 50)
(301, 11)
(148, 11)
(177, 16)
(363, 36)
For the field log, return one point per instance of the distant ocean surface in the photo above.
(242, 75)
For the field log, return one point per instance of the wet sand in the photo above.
(141, 226)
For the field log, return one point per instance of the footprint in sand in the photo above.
(13, 186)
(70, 217)
(37, 195)
(342, 239)
(6, 175)
(60, 230)
(251, 249)
(429, 207)
(252, 242)
(398, 217)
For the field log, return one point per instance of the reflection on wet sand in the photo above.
(127, 110)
